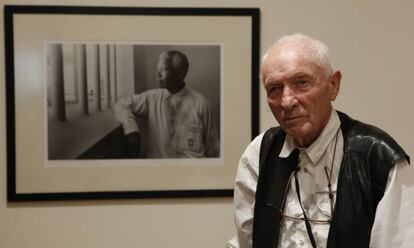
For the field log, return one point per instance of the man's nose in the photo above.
(288, 99)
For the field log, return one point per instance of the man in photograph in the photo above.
(320, 179)
(180, 123)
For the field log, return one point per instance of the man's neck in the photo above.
(177, 89)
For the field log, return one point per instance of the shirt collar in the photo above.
(318, 147)
(177, 97)
(180, 93)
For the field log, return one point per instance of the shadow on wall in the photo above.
(71, 138)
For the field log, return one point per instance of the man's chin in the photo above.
(297, 131)
(303, 134)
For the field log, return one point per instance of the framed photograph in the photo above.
(127, 102)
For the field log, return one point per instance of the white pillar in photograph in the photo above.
(105, 75)
(75, 72)
(112, 72)
(56, 81)
(95, 67)
(82, 78)
(108, 71)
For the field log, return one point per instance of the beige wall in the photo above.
(371, 41)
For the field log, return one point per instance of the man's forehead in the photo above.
(164, 61)
(289, 51)
(287, 61)
(289, 58)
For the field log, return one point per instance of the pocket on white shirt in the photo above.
(191, 138)
(323, 203)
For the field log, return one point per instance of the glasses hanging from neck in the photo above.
(330, 195)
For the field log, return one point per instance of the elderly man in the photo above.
(321, 179)
(180, 122)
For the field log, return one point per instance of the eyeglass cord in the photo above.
(307, 223)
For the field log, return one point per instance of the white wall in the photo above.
(371, 41)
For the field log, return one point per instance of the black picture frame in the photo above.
(15, 19)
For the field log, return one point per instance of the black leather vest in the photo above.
(369, 154)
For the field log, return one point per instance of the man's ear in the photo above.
(334, 84)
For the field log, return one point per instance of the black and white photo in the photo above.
(117, 100)
(101, 105)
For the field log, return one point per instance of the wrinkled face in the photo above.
(298, 92)
(166, 75)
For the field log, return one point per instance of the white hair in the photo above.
(318, 51)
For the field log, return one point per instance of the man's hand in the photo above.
(134, 144)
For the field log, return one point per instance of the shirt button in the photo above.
(301, 243)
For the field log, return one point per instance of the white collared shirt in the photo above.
(313, 184)
(180, 125)
(395, 205)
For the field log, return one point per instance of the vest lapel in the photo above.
(274, 172)
(283, 168)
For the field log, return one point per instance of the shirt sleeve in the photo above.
(393, 225)
(210, 131)
(126, 110)
(244, 195)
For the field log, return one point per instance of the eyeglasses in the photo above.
(330, 195)
(305, 217)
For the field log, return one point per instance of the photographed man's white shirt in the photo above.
(179, 125)
(386, 232)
